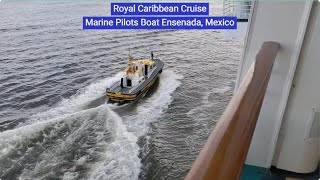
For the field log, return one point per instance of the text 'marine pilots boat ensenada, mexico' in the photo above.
(139, 76)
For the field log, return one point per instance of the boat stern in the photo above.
(120, 97)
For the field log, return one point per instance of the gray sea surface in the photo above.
(55, 122)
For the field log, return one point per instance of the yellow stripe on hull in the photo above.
(129, 97)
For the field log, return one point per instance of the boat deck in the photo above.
(116, 88)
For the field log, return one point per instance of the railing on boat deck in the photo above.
(225, 151)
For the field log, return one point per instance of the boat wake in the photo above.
(83, 99)
(83, 137)
(152, 108)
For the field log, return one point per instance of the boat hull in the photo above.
(128, 98)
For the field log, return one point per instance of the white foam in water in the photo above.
(54, 157)
(11, 138)
(121, 157)
(76, 102)
(153, 107)
(119, 160)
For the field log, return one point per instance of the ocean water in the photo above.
(55, 122)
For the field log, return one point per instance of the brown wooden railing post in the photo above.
(225, 151)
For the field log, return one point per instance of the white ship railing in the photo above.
(238, 8)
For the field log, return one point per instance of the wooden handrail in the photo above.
(225, 151)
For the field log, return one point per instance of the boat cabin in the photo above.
(137, 72)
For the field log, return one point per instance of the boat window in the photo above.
(129, 82)
(145, 70)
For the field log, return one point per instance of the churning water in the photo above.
(55, 122)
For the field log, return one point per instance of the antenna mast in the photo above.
(131, 69)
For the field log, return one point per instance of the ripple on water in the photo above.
(54, 118)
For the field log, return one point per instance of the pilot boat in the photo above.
(138, 78)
